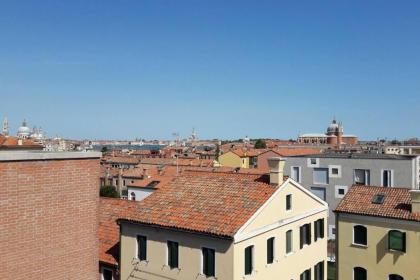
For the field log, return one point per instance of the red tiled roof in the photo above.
(123, 160)
(212, 203)
(109, 231)
(181, 161)
(11, 142)
(285, 152)
(397, 203)
(251, 152)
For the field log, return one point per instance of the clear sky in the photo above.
(125, 69)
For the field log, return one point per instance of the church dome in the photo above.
(333, 128)
(24, 131)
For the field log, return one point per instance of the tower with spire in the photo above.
(5, 130)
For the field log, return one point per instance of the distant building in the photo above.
(48, 215)
(403, 150)
(329, 176)
(334, 136)
(225, 226)
(241, 158)
(378, 234)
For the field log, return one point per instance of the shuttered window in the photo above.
(306, 275)
(396, 240)
(249, 259)
(141, 247)
(319, 271)
(289, 241)
(319, 229)
(359, 273)
(172, 254)
(305, 235)
(270, 250)
(208, 262)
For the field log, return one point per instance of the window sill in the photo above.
(396, 251)
(207, 277)
(359, 245)
(289, 254)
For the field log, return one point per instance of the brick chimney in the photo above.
(415, 201)
(276, 165)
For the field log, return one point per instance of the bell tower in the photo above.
(5, 130)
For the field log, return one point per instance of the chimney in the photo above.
(145, 173)
(276, 165)
(415, 201)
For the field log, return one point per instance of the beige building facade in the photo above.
(285, 238)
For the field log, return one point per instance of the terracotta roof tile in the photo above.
(212, 203)
(109, 231)
(397, 203)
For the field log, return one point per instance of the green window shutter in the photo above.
(172, 254)
(404, 242)
(248, 260)
(270, 250)
(309, 233)
(208, 262)
(302, 236)
(211, 262)
(141, 247)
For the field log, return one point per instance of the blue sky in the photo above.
(125, 69)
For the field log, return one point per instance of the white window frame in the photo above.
(337, 187)
(391, 172)
(331, 235)
(357, 244)
(102, 272)
(331, 167)
(300, 173)
(354, 175)
(313, 165)
(318, 183)
(202, 261)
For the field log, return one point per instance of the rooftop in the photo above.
(364, 200)
(359, 156)
(42, 155)
(204, 202)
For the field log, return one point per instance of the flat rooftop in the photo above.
(42, 155)
(358, 156)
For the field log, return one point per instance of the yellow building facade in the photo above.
(285, 238)
(231, 159)
(378, 237)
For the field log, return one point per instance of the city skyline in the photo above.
(270, 69)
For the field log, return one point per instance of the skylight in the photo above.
(378, 198)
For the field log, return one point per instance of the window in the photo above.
(141, 247)
(319, 192)
(249, 259)
(359, 273)
(360, 235)
(334, 171)
(319, 229)
(306, 275)
(106, 274)
(133, 195)
(305, 235)
(289, 241)
(396, 240)
(172, 254)
(288, 202)
(270, 250)
(296, 173)
(319, 271)
(387, 178)
(362, 177)
(320, 176)
(395, 277)
(208, 262)
(313, 161)
(341, 191)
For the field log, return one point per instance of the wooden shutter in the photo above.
(316, 226)
(322, 228)
(248, 260)
(302, 236)
(308, 231)
(142, 250)
(211, 262)
(270, 250)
